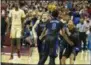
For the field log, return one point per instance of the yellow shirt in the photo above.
(16, 16)
(51, 7)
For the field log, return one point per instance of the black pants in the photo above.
(2, 40)
(3, 30)
(39, 43)
(83, 36)
(49, 48)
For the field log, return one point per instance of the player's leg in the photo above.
(28, 39)
(53, 49)
(45, 52)
(2, 40)
(18, 46)
(12, 47)
(80, 38)
(13, 39)
(62, 48)
(63, 60)
(3, 30)
(84, 41)
(39, 44)
(44, 55)
(18, 41)
(74, 53)
(72, 56)
(66, 54)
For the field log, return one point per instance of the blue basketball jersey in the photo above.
(53, 27)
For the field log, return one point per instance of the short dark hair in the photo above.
(55, 13)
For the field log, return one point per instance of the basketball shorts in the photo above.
(66, 49)
(16, 32)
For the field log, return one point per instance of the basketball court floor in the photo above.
(82, 57)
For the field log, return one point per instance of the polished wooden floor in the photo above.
(82, 58)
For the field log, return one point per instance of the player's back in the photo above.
(53, 27)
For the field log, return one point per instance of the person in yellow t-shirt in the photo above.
(51, 7)
(16, 16)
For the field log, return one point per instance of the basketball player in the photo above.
(38, 29)
(71, 51)
(16, 16)
(53, 27)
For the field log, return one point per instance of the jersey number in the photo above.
(53, 26)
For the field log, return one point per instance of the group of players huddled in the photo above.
(51, 26)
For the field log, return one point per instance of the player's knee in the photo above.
(18, 48)
(60, 56)
(13, 41)
(53, 55)
(63, 59)
(72, 57)
(18, 43)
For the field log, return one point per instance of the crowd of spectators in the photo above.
(79, 11)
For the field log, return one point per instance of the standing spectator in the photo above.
(3, 21)
(82, 32)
